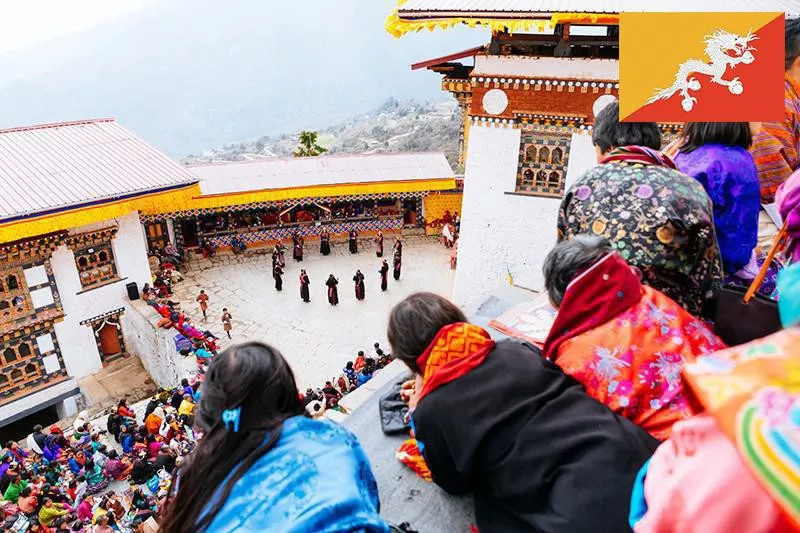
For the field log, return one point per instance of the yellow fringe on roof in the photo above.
(323, 191)
(399, 27)
(174, 200)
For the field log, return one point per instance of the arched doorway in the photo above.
(108, 339)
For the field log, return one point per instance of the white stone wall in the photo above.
(154, 346)
(504, 232)
(77, 342)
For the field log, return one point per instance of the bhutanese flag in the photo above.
(708, 67)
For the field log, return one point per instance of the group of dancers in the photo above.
(279, 263)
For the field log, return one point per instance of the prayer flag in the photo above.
(701, 67)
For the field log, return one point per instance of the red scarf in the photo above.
(594, 297)
(638, 154)
(457, 349)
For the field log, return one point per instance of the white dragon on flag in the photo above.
(725, 50)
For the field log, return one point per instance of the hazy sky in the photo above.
(25, 22)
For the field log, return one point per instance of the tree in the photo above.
(308, 145)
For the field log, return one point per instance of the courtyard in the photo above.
(316, 338)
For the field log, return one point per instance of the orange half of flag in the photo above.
(701, 67)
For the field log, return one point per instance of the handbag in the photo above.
(740, 315)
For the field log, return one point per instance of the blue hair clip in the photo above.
(231, 417)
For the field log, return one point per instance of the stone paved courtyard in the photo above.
(316, 338)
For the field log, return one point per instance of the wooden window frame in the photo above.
(100, 271)
(534, 177)
(15, 304)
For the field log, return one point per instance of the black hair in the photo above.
(792, 42)
(696, 134)
(414, 322)
(567, 259)
(25, 492)
(609, 132)
(255, 378)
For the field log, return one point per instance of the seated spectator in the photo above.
(165, 459)
(16, 451)
(125, 412)
(86, 509)
(623, 341)
(251, 415)
(126, 440)
(360, 361)
(14, 489)
(36, 439)
(153, 446)
(50, 511)
(153, 421)
(332, 396)
(95, 478)
(660, 220)
(142, 471)
(187, 407)
(28, 503)
(117, 467)
(102, 525)
(499, 420)
(734, 467)
(100, 456)
(716, 155)
(352, 376)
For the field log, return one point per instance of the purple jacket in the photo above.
(729, 176)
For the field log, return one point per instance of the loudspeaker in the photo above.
(133, 291)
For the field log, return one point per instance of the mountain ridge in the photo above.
(393, 127)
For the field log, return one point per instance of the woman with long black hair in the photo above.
(261, 464)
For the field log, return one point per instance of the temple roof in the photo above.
(259, 175)
(53, 167)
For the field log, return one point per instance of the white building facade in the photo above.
(71, 242)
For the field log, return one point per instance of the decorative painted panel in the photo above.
(382, 224)
(542, 166)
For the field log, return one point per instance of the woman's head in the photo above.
(609, 133)
(414, 322)
(248, 392)
(25, 492)
(567, 259)
(697, 134)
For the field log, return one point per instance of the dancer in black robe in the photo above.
(384, 272)
(325, 243)
(379, 244)
(304, 283)
(333, 292)
(298, 246)
(281, 249)
(398, 247)
(359, 279)
(353, 238)
(277, 272)
(398, 260)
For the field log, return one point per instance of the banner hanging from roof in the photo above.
(73, 217)
(398, 26)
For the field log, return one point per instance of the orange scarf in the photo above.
(457, 349)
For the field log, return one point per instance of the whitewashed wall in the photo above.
(154, 346)
(77, 342)
(504, 232)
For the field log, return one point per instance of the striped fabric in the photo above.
(776, 148)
